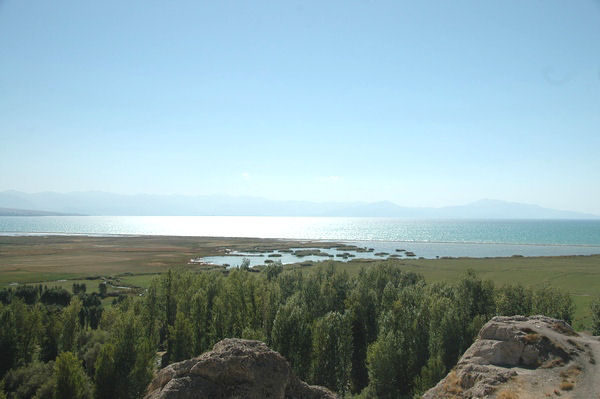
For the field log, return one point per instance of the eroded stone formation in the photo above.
(235, 368)
(524, 357)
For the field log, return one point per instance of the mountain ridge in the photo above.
(100, 203)
(29, 212)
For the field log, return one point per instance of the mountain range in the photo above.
(30, 212)
(15, 203)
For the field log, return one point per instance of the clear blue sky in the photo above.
(421, 103)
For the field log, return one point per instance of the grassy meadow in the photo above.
(133, 262)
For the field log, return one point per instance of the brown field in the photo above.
(43, 258)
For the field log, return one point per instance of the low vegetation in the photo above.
(381, 332)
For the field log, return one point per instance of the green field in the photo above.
(134, 261)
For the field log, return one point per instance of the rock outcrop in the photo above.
(525, 357)
(235, 368)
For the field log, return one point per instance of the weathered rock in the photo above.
(524, 357)
(235, 368)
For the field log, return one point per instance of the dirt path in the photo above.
(578, 378)
(588, 385)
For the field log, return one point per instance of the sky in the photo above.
(420, 103)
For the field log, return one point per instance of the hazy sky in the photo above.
(420, 103)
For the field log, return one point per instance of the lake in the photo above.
(427, 238)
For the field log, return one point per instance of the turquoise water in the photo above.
(428, 238)
(565, 232)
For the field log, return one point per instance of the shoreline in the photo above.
(340, 240)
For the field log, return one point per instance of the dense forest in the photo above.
(383, 333)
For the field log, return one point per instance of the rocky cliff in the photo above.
(235, 368)
(525, 357)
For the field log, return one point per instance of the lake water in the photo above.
(427, 238)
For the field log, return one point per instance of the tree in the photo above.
(430, 375)
(71, 380)
(475, 296)
(333, 289)
(245, 265)
(401, 349)
(552, 302)
(332, 352)
(8, 339)
(273, 270)
(102, 289)
(513, 300)
(79, 288)
(595, 308)
(474, 300)
(201, 313)
(382, 364)
(180, 344)
(291, 335)
(55, 296)
(27, 381)
(105, 386)
(271, 303)
(71, 325)
(50, 334)
(91, 310)
(6, 295)
(151, 314)
(27, 293)
(363, 320)
(445, 332)
(124, 365)
(170, 305)
(28, 324)
(234, 303)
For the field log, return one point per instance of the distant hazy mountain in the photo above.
(28, 212)
(488, 208)
(100, 203)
